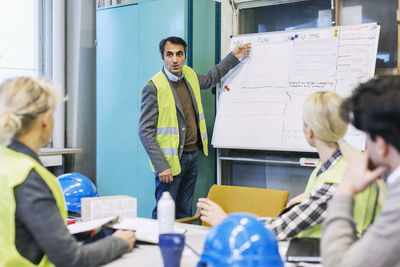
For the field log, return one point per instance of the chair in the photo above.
(258, 201)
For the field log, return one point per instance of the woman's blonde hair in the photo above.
(21, 101)
(321, 112)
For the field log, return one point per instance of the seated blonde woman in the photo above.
(323, 129)
(32, 209)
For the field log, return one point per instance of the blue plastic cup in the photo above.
(171, 246)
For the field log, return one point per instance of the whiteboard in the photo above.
(260, 101)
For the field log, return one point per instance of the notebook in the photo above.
(303, 250)
(146, 229)
(85, 230)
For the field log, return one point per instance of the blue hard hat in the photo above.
(74, 187)
(240, 240)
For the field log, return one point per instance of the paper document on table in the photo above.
(146, 229)
(93, 225)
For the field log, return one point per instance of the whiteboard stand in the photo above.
(219, 182)
(218, 89)
(305, 162)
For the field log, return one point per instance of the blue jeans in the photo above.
(182, 188)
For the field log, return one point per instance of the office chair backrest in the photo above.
(258, 201)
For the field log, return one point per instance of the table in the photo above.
(150, 256)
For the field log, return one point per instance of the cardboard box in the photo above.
(100, 207)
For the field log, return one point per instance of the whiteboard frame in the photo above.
(219, 89)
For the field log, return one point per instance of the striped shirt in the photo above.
(309, 212)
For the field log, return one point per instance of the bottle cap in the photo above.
(166, 194)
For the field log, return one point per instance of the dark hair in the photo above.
(174, 40)
(374, 107)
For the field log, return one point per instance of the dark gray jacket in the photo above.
(149, 111)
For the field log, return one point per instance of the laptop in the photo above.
(303, 250)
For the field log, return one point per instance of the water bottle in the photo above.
(166, 213)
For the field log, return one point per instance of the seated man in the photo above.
(374, 107)
(324, 130)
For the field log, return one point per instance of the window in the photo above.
(300, 14)
(20, 45)
(26, 47)
(291, 16)
(383, 11)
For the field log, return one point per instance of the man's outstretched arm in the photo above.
(223, 67)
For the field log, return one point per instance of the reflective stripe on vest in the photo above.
(364, 202)
(167, 130)
(14, 168)
(170, 151)
(167, 124)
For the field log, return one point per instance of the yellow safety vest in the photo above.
(167, 124)
(14, 168)
(364, 202)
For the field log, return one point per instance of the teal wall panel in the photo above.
(203, 61)
(157, 20)
(117, 117)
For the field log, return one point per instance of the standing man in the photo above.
(374, 108)
(172, 126)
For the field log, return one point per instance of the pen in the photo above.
(192, 249)
(189, 247)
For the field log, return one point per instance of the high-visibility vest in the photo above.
(167, 124)
(364, 202)
(14, 168)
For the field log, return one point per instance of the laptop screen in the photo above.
(303, 250)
